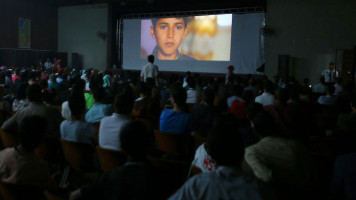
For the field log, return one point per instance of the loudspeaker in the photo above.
(76, 62)
(283, 66)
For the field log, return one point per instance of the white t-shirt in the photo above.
(109, 132)
(203, 160)
(77, 131)
(265, 99)
(149, 70)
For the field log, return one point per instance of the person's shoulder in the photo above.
(186, 57)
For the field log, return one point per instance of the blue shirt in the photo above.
(175, 122)
(97, 112)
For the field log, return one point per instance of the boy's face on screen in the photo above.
(169, 33)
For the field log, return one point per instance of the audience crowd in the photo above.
(259, 138)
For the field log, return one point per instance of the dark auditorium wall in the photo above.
(44, 24)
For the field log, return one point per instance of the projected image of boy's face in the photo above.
(169, 33)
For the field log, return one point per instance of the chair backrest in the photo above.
(110, 159)
(78, 155)
(171, 143)
(8, 140)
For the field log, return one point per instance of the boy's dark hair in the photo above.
(179, 95)
(254, 108)
(264, 124)
(331, 89)
(76, 103)
(282, 95)
(268, 86)
(99, 94)
(31, 131)
(135, 139)
(208, 96)
(151, 58)
(34, 93)
(154, 21)
(224, 143)
(123, 104)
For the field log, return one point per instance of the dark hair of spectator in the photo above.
(31, 131)
(224, 143)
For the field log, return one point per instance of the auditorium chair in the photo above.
(80, 157)
(110, 159)
(198, 140)
(175, 145)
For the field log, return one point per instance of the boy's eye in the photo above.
(163, 27)
(179, 27)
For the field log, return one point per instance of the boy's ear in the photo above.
(153, 33)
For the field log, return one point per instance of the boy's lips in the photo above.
(169, 44)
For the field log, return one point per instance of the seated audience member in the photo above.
(348, 121)
(252, 86)
(20, 100)
(239, 107)
(152, 108)
(111, 126)
(99, 109)
(192, 93)
(5, 107)
(338, 86)
(77, 87)
(328, 99)
(236, 95)
(247, 133)
(204, 113)
(137, 179)
(75, 129)
(94, 83)
(277, 159)
(266, 98)
(280, 111)
(19, 165)
(321, 87)
(34, 95)
(344, 177)
(176, 120)
(225, 147)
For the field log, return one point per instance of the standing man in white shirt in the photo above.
(149, 72)
(330, 74)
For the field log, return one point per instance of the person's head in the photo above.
(208, 96)
(248, 96)
(178, 96)
(268, 86)
(254, 108)
(99, 94)
(21, 91)
(168, 33)
(34, 93)
(76, 103)
(135, 139)
(331, 66)
(31, 131)
(123, 104)
(224, 143)
(264, 124)
(151, 58)
(282, 95)
(142, 88)
(331, 90)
